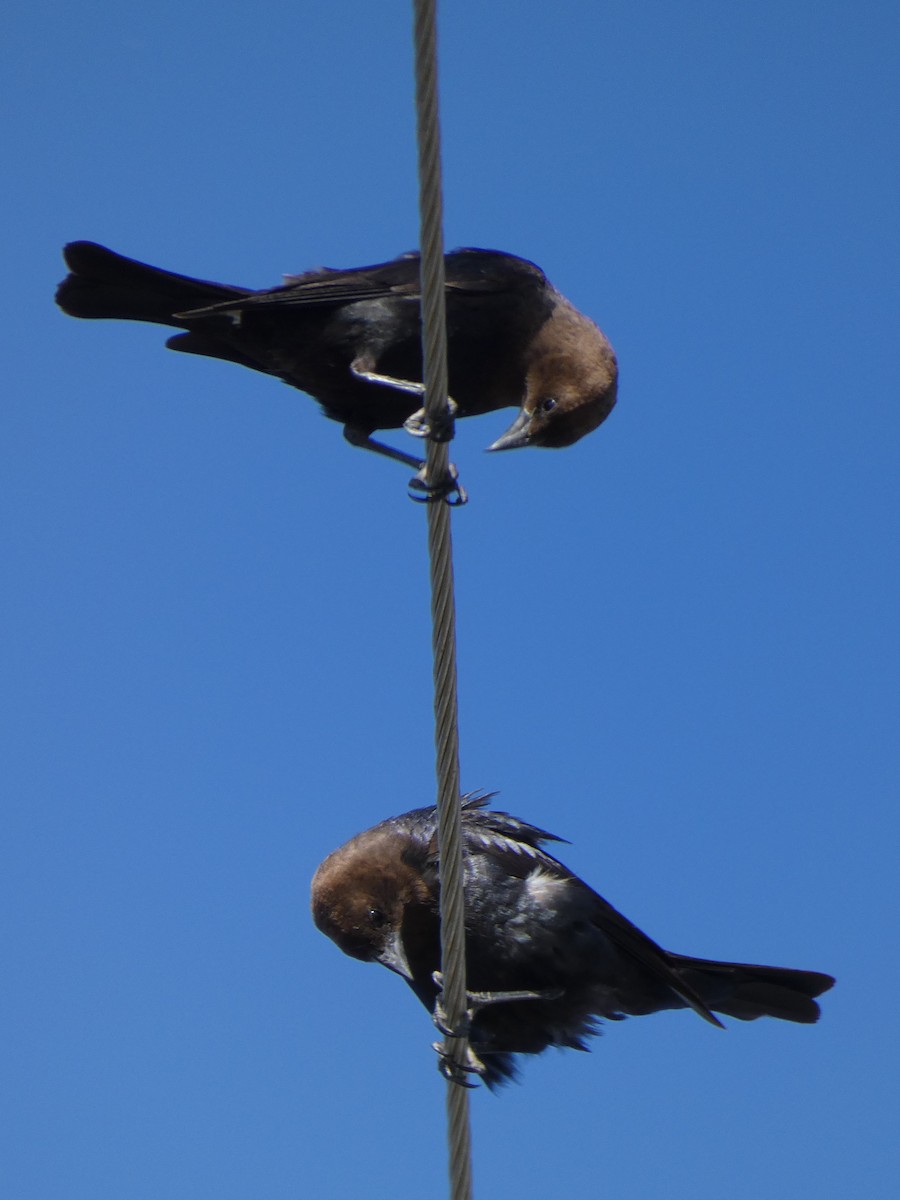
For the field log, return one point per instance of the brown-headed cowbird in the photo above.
(351, 339)
(531, 925)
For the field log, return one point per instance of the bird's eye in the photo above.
(377, 918)
(548, 404)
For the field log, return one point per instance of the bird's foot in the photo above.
(438, 431)
(455, 1071)
(449, 488)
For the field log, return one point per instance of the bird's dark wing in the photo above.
(470, 270)
(487, 827)
(643, 949)
(515, 848)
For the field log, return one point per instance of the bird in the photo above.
(351, 339)
(547, 958)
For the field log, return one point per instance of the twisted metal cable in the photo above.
(443, 610)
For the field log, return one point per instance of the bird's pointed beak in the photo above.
(393, 957)
(517, 435)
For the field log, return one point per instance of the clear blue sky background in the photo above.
(678, 640)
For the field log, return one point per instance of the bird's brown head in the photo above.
(570, 385)
(361, 895)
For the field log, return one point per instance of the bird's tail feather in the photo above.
(105, 284)
(746, 991)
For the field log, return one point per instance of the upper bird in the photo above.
(532, 926)
(351, 339)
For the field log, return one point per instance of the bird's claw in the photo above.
(440, 430)
(443, 1024)
(448, 489)
(456, 1072)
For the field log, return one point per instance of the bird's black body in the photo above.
(512, 338)
(530, 925)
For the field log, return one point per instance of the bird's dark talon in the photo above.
(455, 1072)
(454, 495)
(417, 425)
(441, 430)
(442, 1021)
(448, 489)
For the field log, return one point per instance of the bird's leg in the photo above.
(479, 1000)
(358, 437)
(448, 489)
(418, 424)
(360, 368)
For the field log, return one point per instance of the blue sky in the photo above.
(678, 639)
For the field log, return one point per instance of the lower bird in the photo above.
(351, 339)
(546, 957)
